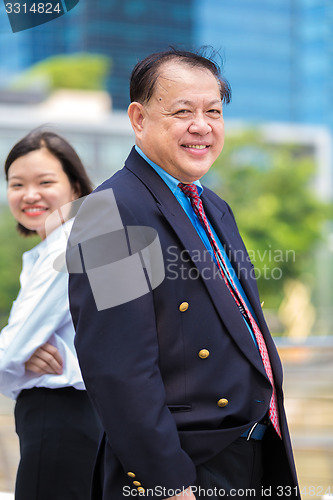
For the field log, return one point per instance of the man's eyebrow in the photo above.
(187, 102)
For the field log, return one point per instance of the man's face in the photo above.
(181, 128)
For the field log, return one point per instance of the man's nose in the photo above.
(200, 125)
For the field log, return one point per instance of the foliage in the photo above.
(271, 191)
(82, 71)
(11, 249)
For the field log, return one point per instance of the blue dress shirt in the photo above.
(185, 202)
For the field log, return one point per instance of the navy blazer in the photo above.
(142, 360)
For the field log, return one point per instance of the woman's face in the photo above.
(37, 186)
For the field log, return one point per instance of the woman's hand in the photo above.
(45, 360)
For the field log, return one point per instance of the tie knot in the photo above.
(190, 190)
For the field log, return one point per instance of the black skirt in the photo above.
(59, 433)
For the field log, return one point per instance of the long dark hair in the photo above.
(62, 150)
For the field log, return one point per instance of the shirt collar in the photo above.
(169, 180)
(57, 238)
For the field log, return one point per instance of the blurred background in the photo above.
(276, 170)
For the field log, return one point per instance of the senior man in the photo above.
(185, 377)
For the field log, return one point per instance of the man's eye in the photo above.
(182, 111)
(215, 111)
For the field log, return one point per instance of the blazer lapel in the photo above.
(225, 227)
(182, 226)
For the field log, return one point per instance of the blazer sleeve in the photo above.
(118, 353)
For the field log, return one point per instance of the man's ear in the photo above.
(136, 114)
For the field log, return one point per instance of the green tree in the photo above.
(11, 249)
(82, 71)
(270, 189)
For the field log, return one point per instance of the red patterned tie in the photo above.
(191, 191)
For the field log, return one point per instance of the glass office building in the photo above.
(278, 53)
(278, 56)
(20, 50)
(60, 36)
(128, 30)
(125, 30)
(14, 50)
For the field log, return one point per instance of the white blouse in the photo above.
(40, 314)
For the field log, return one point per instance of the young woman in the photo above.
(56, 424)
